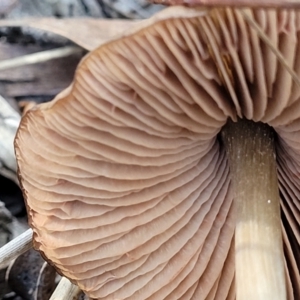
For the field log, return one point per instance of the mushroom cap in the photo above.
(126, 182)
(234, 3)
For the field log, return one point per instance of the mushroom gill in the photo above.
(126, 180)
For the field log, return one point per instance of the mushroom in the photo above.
(140, 177)
(235, 3)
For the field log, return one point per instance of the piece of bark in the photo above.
(61, 8)
(131, 9)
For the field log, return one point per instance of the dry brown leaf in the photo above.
(87, 33)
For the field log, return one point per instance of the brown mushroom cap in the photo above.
(126, 182)
(234, 3)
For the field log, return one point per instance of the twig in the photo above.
(39, 57)
(273, 48)
(14, 248)
(65, 290)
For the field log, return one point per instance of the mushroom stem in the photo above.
(259, 255)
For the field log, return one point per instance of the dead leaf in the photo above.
(87, 33)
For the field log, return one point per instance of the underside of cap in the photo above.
(126, 182)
